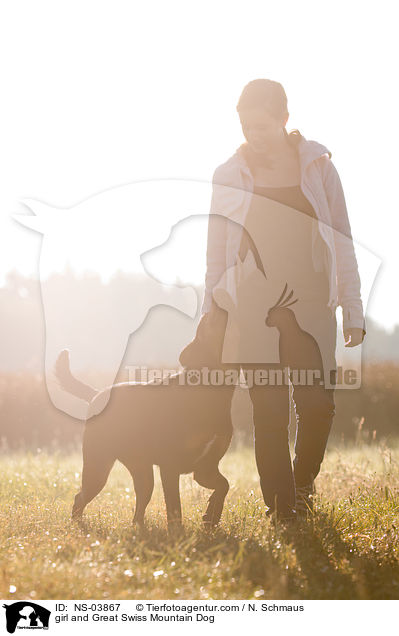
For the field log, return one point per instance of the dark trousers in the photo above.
(314, 409)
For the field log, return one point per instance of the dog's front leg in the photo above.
(143, 479)
(170, 484)
(211, 477)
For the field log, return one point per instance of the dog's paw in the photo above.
(175, 527)
(140, 529)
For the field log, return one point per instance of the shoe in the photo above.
(304, 500)
(282, 517)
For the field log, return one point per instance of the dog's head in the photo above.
(206, 349)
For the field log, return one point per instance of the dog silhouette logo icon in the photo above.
(26, 615)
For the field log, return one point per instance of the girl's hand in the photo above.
(354, 336)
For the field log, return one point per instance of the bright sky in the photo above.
(99, 94)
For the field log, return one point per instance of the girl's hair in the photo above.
(293, 137)
(270, 95)
(264, 93)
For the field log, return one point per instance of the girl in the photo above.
(280, 197)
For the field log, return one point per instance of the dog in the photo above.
(182, 428)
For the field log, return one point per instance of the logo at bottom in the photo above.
(26, 615)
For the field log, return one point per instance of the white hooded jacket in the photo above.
(320, 183)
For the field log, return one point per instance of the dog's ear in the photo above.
(186, 355)
(194, 354)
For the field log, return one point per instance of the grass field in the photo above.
(347, 550)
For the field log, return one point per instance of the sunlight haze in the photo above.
(98, 103)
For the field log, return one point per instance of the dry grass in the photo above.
(348, 550)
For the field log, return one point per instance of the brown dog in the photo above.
(182, 428)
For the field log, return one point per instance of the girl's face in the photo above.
(261, 130)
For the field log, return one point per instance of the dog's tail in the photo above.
(68, 382)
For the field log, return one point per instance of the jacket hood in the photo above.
(312, 149)
(308, 150)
